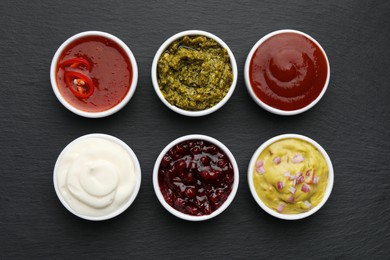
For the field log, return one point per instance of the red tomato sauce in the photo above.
(109, 69)
(288, 71)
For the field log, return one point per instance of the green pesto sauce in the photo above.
(194, 73)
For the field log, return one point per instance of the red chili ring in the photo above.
(71, 75)
(75, 61)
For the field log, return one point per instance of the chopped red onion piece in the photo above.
(292, 177)
(260, 170)
(316, 178)
(287, 174)
(305, 188)
(308, 173)
(300, 179)
(307, 204)
(291, 199)
(292, 190)
(259, 163)
(297, 158)
(280, 207)
(295, 182)
(277, 160)
(280, 185)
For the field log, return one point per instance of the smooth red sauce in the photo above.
(288, 71)
(111, 73)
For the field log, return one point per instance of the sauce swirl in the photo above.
(288, 71)
(95, 176)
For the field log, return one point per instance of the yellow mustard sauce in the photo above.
(290, 176)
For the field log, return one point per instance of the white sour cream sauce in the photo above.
(95, 176)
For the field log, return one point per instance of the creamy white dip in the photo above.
(95, 176)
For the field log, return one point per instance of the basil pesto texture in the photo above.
(194, 73)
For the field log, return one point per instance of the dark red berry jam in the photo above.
(195, 177)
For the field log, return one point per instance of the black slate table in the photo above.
(351, 122)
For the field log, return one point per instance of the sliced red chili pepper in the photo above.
(80, 84)
(74, 62)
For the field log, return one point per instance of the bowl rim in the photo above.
(229, 199)
(263, 104)
(137, 168)
(328, 189)
(184, 112)
(117, 107)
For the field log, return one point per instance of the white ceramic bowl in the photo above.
(165, 45)
(112, 110)
(133, 195)
(228, 200)
(252, 165)
(263, 104)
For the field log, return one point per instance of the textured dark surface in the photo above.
(351, 122)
